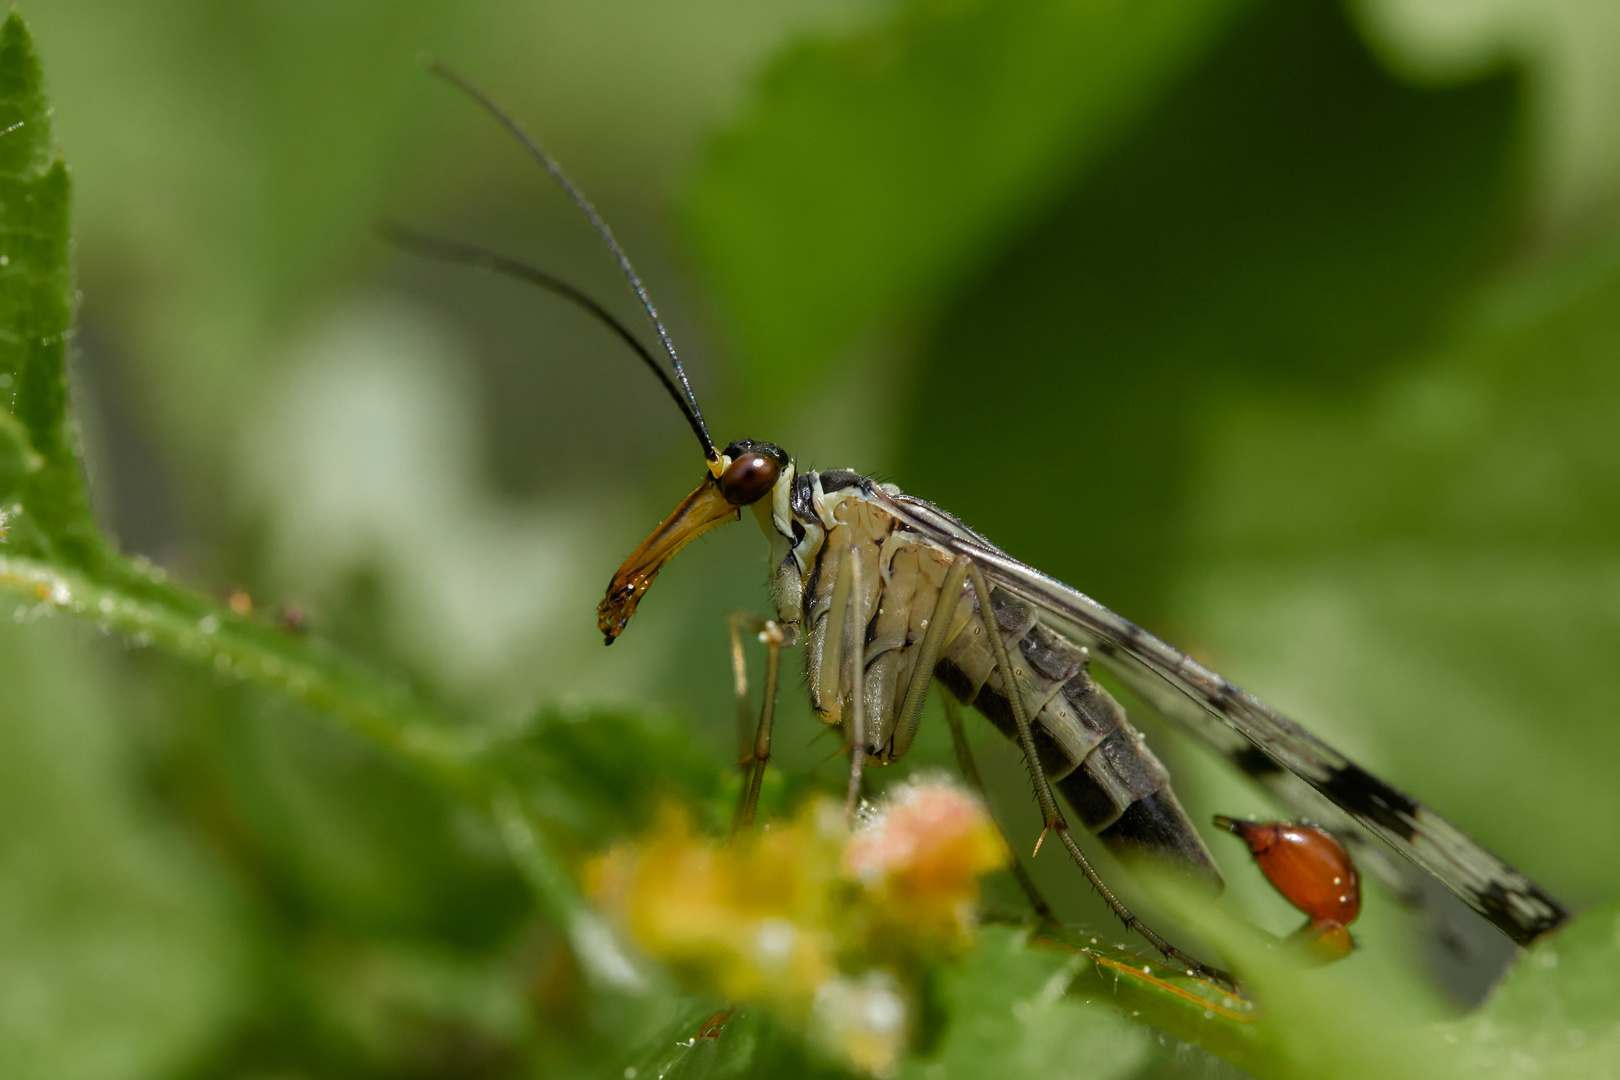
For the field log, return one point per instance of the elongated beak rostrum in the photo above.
(698, 513)
(741, 476)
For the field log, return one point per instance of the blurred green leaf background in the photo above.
(1289, 330)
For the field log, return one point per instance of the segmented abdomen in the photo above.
(1087, 747)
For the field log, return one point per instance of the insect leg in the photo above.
(829, 672)
(756, 754)
(970, 772)
(739, 622)
(827, 680)
(1052, 819)
(922, 673)
(857, 708)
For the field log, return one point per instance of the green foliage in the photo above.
(873, 169)
(1233, 300)
(56, 561)
(1222, 251)
(598, 774)
(1555, 1009)
(35, 308)
(1008, 1010)
(17, 456)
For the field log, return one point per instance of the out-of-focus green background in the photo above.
(1290, 330)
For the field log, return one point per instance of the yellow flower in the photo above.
(752, 919)
(819, 924)
(920, 857)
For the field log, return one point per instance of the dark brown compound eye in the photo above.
(748, 478)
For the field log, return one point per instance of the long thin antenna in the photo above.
(547, 162)
(454, 251)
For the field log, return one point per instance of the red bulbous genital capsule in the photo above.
(1312, 871)
(1306, 864)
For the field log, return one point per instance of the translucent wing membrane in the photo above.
(1306, 775)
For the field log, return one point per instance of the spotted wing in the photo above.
(1306, 775)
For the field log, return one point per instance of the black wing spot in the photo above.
(1226, 699)
(1256, 763)
(1362, 793)
(1496, 903)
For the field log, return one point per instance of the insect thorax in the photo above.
(900, 574)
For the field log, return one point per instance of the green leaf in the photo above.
(709, 1041)
(17, 457)
(357, 838)
(1554, 1014)
(1194, 1010)
(145, 607)
(36, 310)
(1556, 1011)
(1009, 1014)
(1311, 1020)
(872, 169)
(595, 774)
